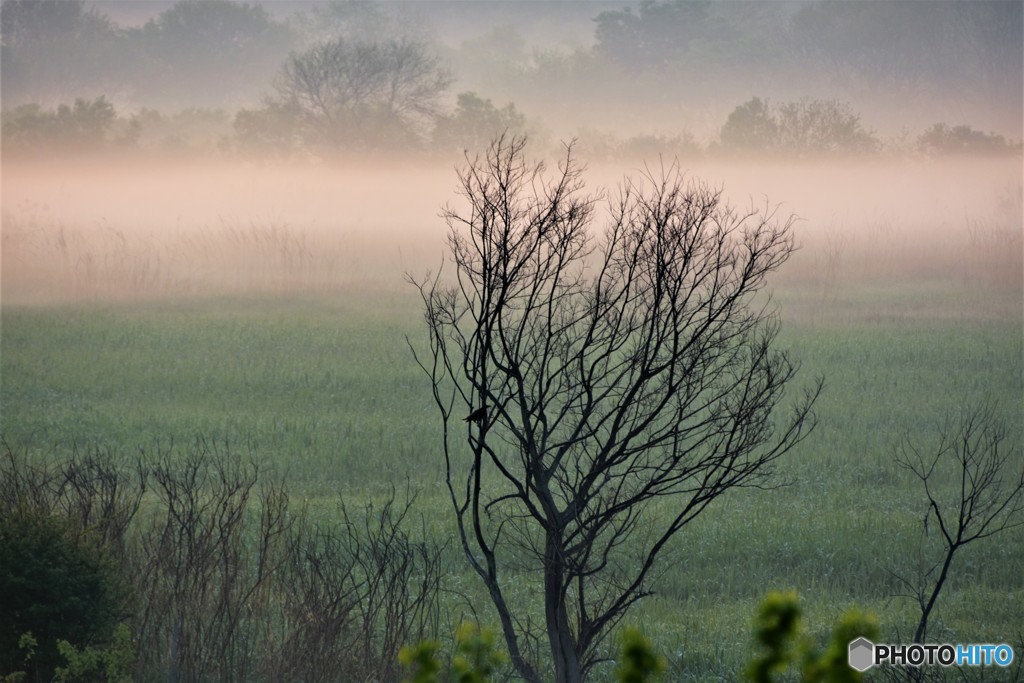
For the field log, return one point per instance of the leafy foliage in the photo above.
(56, 584)
(475, 658)
(638, 662)
(897, 46)
(681, 34)
(422, 660)
(355, 20)
(111, 663)
(271, 130)
(777, 630)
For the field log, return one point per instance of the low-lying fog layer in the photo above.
(76, 231)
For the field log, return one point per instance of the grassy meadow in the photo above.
(317, 382)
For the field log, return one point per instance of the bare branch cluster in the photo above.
(230, 580)
(977, 454)
(615, 371)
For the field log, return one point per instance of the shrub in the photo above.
(85, 125)
(229, 581)
(56, 584)
(475, 122)
(962, 139)
(807, 127)
(778, 633)
(751, 127)
(638, 661)
(112, 663)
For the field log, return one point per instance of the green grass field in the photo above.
(268, 315)
(323, 389)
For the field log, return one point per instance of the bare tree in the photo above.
(351, 92)
(976, 455)
(627, 381)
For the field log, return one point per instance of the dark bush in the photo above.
(941, 139)
(85, 126)
(475, 122)
(807, 127)
(62, 549)
(55, 583)
(218, 577)
(750, 127)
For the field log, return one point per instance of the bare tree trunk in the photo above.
(989, 504)
(926, 610)
(523, 667)
(563, 649)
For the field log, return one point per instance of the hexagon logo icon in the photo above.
(861, 655)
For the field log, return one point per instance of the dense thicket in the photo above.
(190, 564)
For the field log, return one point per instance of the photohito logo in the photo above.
(863, 654)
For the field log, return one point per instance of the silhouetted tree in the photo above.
(630, 380)
(352, 93)
(978, 453)
(812, 126)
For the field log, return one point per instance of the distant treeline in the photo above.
(797, 129)
(396, 73)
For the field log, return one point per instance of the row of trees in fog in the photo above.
(228, 54)
(321, 111)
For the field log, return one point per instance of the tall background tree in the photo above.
(208, 53)
(366, 20)
(629, 380)
(54, 51)
(354, 94)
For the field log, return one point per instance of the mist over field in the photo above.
(151, 229)
(212, 216)
(157, 147)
